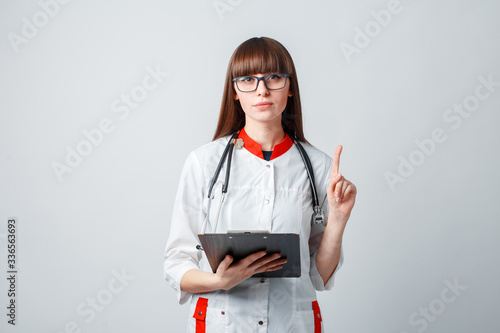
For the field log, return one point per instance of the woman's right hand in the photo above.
(230, 274)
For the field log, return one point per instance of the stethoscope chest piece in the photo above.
(239, 143)
(318, 216)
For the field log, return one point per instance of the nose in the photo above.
(262, 89)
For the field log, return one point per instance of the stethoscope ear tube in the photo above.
(228, 167)
(318, 216)
(228, 148)
(307, 163)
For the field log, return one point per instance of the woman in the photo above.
(269, 190)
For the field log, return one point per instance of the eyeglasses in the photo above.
(250, 83)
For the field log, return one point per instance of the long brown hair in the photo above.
(259, 55)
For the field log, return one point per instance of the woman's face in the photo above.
(263, 105)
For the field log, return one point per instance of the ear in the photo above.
(290, 93)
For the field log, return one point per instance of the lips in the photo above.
(263, 105)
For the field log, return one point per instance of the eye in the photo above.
(246, 79)
(275, 76)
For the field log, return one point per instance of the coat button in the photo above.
(261, 322)
(262, 280)
(266, 201)
(268, 166)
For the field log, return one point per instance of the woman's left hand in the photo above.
(341, 192)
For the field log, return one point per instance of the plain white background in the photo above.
(111, 214)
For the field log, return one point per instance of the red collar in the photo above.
(255, 148)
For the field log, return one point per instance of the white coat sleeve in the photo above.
(315, 237)
(181, 254)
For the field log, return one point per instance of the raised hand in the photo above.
(341, 192)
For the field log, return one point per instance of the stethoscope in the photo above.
(318, 216)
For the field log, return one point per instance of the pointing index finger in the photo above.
(336, 160)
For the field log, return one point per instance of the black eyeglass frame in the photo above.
(259, 79)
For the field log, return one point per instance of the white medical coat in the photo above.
(262, 195)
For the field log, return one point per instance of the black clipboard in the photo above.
(241, 244)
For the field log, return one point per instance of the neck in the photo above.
(267, 135)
